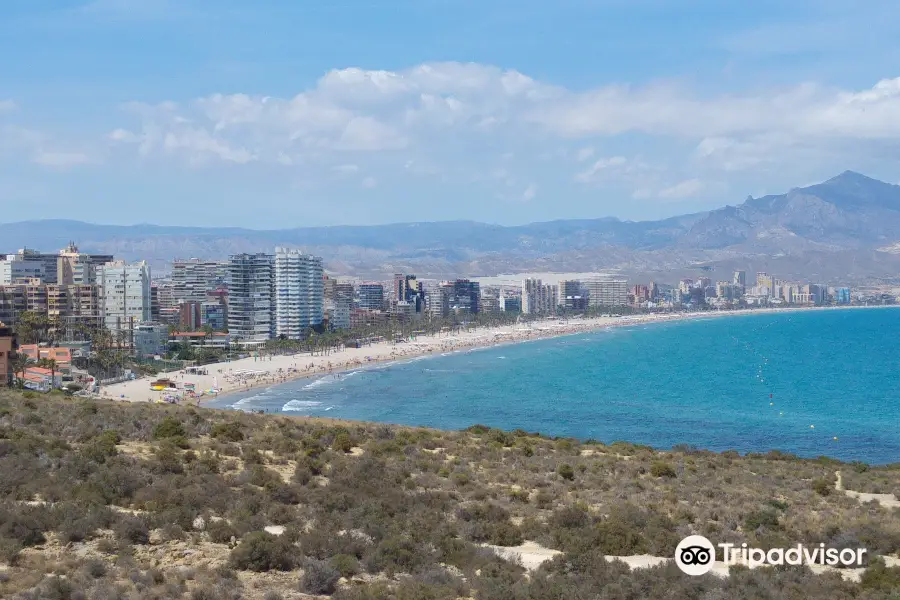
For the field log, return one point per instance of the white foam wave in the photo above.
(300, 405)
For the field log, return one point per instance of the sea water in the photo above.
(809, 382)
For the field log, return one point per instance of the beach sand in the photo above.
(249, 373)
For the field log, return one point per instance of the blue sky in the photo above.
(283, 113)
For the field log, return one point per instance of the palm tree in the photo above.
(49, 363)
(20, 365)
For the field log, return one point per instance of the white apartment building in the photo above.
(125, 295)
(193, 278)
(538, 298)
(251, 304)
(607, 292)
(299, 292)
(17, 266)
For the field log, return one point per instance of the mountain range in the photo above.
(846, 229)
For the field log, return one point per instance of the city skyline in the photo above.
(639, 110)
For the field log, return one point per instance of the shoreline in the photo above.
(244, 375)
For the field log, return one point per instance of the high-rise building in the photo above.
(7, 354)
(213, 314)
(510, 304)
(166, 305)
(603, 291)
(193, 278)
(299, 292)
(371, 296)
(438, 300)
(765, 284)
(465, 296)
(572, 295)
(538, 298)
(251, 297)
(126, 297)
(740, 278)
(189, 318)
(78, 268)
(18, 267)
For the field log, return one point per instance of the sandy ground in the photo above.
(531, 555)
(885, 500)
(249, 373)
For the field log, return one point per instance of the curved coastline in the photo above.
(284, 369)
(703, 384)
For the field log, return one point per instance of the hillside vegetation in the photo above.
(102, 500)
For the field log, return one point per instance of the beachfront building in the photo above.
(189, 316)
(192, 279)
(464, 296)
(572, 295)
(164, 307)
(299, 292)
(538, 298)
(151, 339)
(739, 278)
(18, 267)
(7, 354)
(371, 296)
(603, 291)
(125, 296)
(510, 304)
(337, 313)
(70, 308)
(74, 267)
(438, 300)
(251, 298)
(213, 314)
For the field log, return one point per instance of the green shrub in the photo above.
(662, 469)
(822, 487)
(169, 427)
(566, 471)
(342, 443)
(260, 551)
(345, 564)
(765, 518)
(319, 577)
(220, 531)
(133, 530)
(230, 432)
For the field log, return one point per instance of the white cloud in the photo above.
(584, 154)
(61, 160)
(42, 149)
(529, 193)
(459, 115)
(601, 165)
(683, 189)
(345, 169)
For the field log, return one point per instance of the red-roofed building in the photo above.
(62, 356)
(41, 379)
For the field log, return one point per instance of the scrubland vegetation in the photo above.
(114, 501)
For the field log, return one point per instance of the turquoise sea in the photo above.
(787, 381)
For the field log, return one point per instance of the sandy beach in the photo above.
(248, 373)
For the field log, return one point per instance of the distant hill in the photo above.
(844, 229)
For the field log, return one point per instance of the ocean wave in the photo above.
(300, 405)
(243, 402)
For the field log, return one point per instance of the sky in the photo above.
(288, 113)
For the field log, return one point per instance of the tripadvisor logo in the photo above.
(696, 555)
